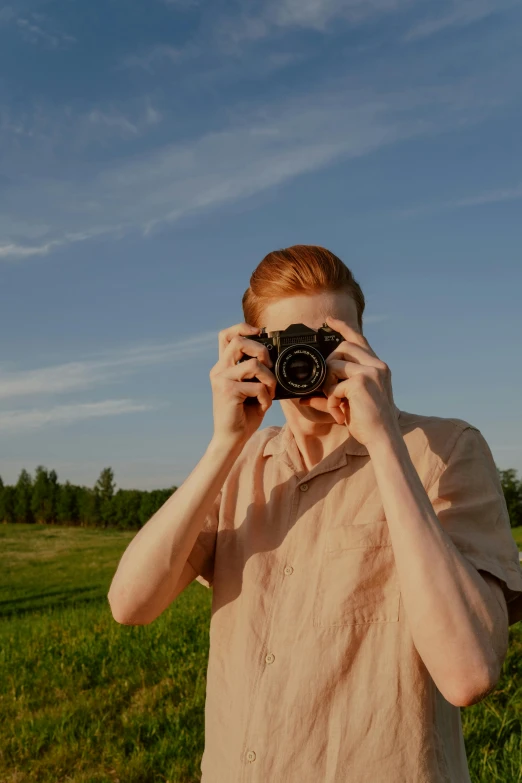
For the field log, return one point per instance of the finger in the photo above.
(252, 368)
(251, 391)
(243, 391)
(339, 370)
(239, 347)
(226, 335)
(349, 333)
(338, 415)
(339, 393)
(335, 409)
(356, 353)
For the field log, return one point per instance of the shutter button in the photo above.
(270, 658)
(251, 755)
(303, 487)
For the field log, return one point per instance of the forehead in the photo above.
(310, 310)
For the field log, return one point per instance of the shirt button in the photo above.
(288, 570)
(270, 658)
(251, 756)
(303, 487)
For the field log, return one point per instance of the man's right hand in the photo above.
(235, 422)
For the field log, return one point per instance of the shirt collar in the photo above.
(281, 441)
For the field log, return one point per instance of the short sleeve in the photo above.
(202, 555)
(469, 502)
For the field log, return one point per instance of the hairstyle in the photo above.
(294, 271)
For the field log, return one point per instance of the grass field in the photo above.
(517, 535)
(85, 700)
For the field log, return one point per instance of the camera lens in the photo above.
(300, 369)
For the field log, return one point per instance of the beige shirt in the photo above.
(313, 676)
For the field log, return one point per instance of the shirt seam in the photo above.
(486, 563)
(440, 463)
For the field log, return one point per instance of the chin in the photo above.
(316, 404)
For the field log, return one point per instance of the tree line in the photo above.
(42, 499)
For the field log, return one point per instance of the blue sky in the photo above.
(153, 153)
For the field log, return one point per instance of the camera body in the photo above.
(299, 355)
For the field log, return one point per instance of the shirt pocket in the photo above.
(358, 581)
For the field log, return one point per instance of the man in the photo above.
(363, 570)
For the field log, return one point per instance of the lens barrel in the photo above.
(300, 369)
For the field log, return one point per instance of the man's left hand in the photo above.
(364, 400)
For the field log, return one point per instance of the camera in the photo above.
(299, 355)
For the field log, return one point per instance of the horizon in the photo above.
(153, 155)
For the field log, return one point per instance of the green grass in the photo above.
(82, 698)
(517, 535)
(85, 700)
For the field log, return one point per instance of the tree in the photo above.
(40, 498)
(67, 511)
(54, 494)
(105, 488)
(2, 500)
(512, 490)
(89, 507)
(7, 513)
(23, 490)
(126, 507)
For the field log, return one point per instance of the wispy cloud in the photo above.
(264, 146)
(72, 377)
(38, 136)
(460, 14)
(317, 14)
(7, 14)
(14, 251)
(111, 119)
(150, 58)
(257, 20)
(490, 197)
(8, 127)
(36, 418)
(106, 368)
(494, 196)
(36, 28)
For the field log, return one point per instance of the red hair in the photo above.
(294, 271)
